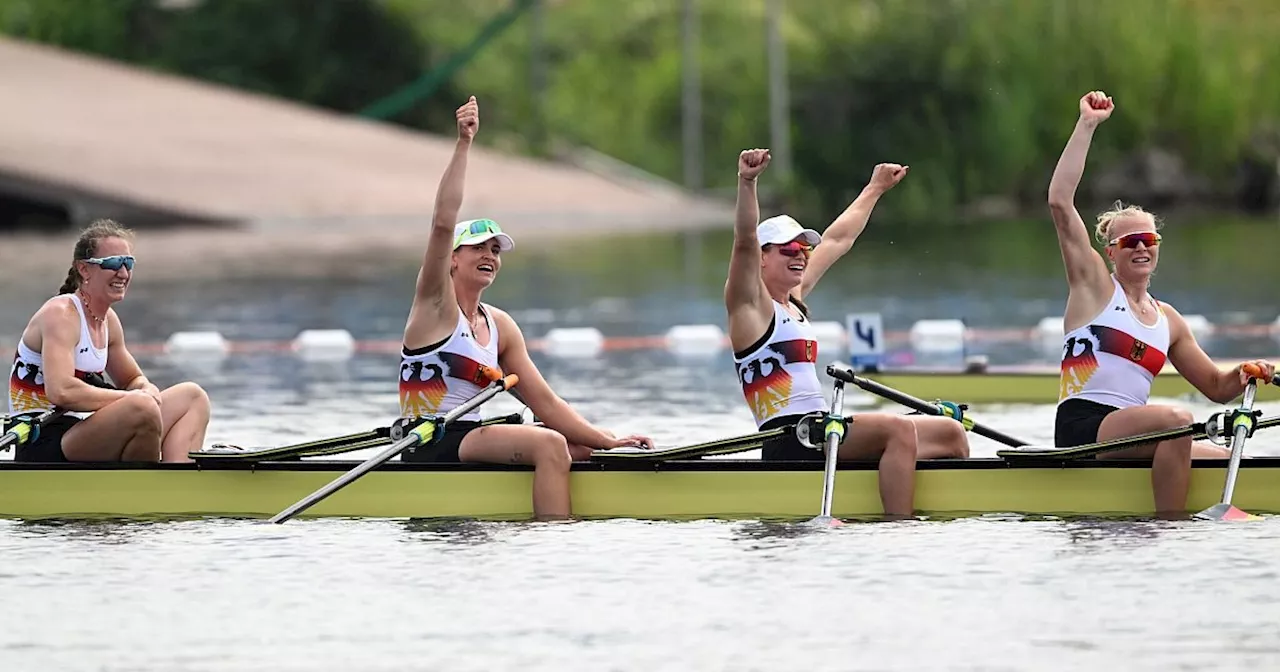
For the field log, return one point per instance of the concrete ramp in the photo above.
(114, 140)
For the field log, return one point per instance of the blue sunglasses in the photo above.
(113, 263)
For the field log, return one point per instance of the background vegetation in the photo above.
(977, 95)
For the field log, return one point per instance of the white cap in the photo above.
(476, 231)
(783, 229)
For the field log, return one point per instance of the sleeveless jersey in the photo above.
(26, 378)
(1113, 359)
(778, 375)
(436, 379)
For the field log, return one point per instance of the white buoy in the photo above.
(938, 335)
(324, 344)
(832, 340)
(574, 342)
(1050, 333)
(196, 343)
(695, 339)
(1200, 326)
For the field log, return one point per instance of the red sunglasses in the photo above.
(794, 249)
(1131, 240)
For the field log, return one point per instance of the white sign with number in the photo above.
(866, 339)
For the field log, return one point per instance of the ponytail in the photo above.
(72, 283)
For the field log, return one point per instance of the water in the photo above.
(990, 593)
(970, 594)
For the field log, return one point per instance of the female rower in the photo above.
(77, 337)
(451, 339)
(774, 265)
(1118, 337)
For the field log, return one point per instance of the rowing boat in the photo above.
(1019, 384)
(679, 489)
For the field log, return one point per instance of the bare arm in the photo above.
(838, 239)
(1194, 364)
(59, 334)
(535, 393)
(121, 366)
(745, 296)
(1087, 274)
(434, 307)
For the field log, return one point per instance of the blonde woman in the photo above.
(1118, 337)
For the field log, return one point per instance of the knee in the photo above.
(956, 440)
(1179, 417)
(552, 451)
(195, 396)
(903, 438)
(143, 412)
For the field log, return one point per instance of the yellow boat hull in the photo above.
(726, 489)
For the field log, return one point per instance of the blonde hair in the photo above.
(1120, 211)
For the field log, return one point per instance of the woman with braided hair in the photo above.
(76, 337)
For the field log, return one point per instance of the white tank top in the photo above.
(26, 378)
(438, 378)
(778, 374)
(1113, 359)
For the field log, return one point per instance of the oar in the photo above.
(417, 436)
(844, 372)
(23, 429)
(833, 429)
(1242, 421)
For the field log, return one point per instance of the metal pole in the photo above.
(692, 98)
(779, 92)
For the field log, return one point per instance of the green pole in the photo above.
(418, 90)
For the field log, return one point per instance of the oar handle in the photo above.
(1258, 373)
(842, 371)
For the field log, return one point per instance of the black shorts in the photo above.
(1078, 421)
(446, 449)
(787, 448)
(48, 444)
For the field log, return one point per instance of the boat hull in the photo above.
(727, 489)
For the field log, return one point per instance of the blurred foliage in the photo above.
(978, 96)
(338, 54)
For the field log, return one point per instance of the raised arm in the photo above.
(1087, 274)
(59, 333)
(745, 296)
(838, 239)
(534, 392)
(434, 306)
(1194, 364)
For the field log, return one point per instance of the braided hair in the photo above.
(87, 248)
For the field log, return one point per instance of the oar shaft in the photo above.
(1240, 434)
(845, 373)
(416, 436)
(342, 481)
(20, 432)
(833, 452)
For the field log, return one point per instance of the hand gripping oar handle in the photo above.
(842, 371)
(1256, 372)
(420, 435)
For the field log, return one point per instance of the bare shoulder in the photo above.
(115, 329)
(58, 308)
(1176, 321)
